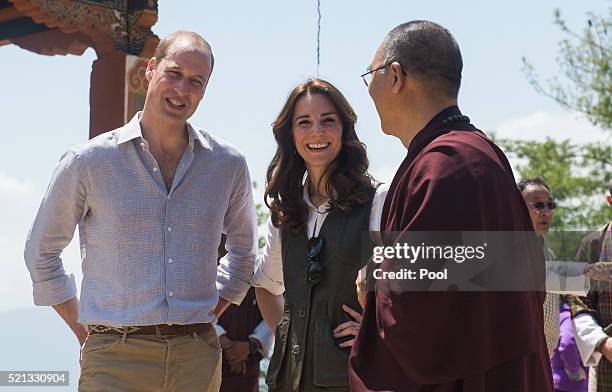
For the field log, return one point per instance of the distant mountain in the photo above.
(38, 339)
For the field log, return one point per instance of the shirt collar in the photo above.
(133, 130)
(130, 131)
(199, 136)
(425, 135)
(323, 208)
(434, 128)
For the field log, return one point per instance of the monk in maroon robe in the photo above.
(452, 179)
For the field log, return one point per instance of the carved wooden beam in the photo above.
(111, 25)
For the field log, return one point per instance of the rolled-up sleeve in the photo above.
(62, 208)
(264, 336)
(587, 334)
(269, 274)
(240, 225)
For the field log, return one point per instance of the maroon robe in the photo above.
(453, 179)
(239, 322)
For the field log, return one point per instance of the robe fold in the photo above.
(453, 179)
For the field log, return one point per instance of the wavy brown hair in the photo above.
(347, 175)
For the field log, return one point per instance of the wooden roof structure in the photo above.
(118, 30)
(60, 27)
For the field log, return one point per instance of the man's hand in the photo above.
(238, 352)
(226, 345)
(225, 342)
(69, 311)
(235, 353)
(221, 306)
(606, 349)
(81, 356)
(348, 328)
(238, 367)
(599, 271)
(82, 336)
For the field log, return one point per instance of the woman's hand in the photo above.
(348, 328)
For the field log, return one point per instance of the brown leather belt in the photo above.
(158, 330)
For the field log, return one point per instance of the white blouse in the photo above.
(269, 274)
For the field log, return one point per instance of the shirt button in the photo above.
(170, 293)
(301, 313)
(296, 349)
(169, 228)
(170, 261)
(169, 197)
(142, 145)
(154, 168)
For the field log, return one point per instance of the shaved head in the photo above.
(429, 51)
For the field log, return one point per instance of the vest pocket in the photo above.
(276, 369)
(330, 361)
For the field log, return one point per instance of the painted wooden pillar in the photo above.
(118, 30)
(118, 90)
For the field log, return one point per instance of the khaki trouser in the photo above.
(143, 363)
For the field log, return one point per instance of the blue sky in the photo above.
(262, 49)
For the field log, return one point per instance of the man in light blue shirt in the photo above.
(151, 200)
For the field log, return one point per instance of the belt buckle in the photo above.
(158, 332)
(165, 331)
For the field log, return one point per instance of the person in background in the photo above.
(568, 373)
(245, 340)
(541, 207)
(592, 314)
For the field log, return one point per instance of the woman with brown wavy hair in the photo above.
(322, 200)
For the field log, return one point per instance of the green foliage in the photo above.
(565, 244)
(586, 65)
(577, 175)
(262, 217)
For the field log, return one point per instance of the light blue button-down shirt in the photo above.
(149, 255)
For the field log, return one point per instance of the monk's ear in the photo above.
(610, 200)
(399, 78)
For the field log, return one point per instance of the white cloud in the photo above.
(384, 173)
(15, 190)
(15, 282)
(540, 125)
